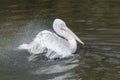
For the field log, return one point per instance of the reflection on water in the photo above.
(57, 69)
(54, 69)
(96, 22)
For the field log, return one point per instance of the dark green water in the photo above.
(96, 22)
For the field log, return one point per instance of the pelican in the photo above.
(61, 44)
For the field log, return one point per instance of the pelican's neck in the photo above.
(71, 41)
(57, 25)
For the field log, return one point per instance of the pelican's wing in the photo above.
(37, 45)
(48, 42)
(53, 42)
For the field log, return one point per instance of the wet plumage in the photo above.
(52, 45)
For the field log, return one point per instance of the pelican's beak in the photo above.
(73, 34)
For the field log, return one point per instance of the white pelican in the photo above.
(52, 45)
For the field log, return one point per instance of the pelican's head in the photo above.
(60, 28)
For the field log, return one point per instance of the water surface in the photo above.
(96, 22)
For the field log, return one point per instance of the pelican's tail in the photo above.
(23, 47)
